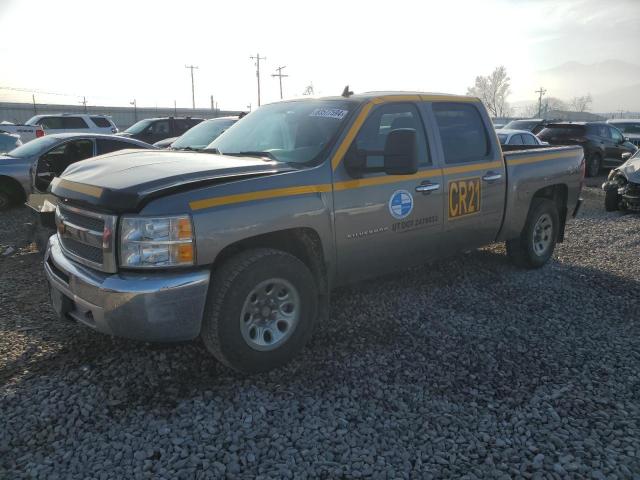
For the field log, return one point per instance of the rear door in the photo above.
(386, 222)
(474, 175)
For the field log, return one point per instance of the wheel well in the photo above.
(302, 243)
(13, 187)
(558, 194)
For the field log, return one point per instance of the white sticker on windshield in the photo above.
(336, 113)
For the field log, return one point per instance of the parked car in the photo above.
(305, 195)
(629, 128)
(200, 136)
(603, 144)
(152, 130)
(32, 166)
(74, 122)
(26, 132)
(9, 141)
(622, 188)
(533, 125)
(518, 137)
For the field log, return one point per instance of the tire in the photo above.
(611, 200)
(235, 324)
(5, 200)
(536, 243)
(594, 165)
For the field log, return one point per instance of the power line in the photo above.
(257, 58)
(193, 90)
(280, 75)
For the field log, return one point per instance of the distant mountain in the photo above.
(613, 84)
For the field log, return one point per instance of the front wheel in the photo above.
(538, 239)
(261, 310)
(611, 200)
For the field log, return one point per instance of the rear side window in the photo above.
(462, 132)
(107, 146)
(515, 139)
(101, 122)
(73, 122)
(528, 139)
(560, 132)
(633, 128)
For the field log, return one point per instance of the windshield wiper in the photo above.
(214, 151)
(251, 153)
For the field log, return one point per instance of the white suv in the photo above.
(76, 122)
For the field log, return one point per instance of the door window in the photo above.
(528, 139)
(107, 146)
(372, 136)
(73, 123)
(462, 132)
(160, 127)
(50, 123)
(616, 135)
(55, 161)
(101, 122)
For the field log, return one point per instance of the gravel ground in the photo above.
(468, 367)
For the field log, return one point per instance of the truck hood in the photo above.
(125, 180)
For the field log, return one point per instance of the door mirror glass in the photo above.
(401, 152)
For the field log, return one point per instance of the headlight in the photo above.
(148, 242)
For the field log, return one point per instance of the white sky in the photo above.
(113, 51)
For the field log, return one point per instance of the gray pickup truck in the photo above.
(242, 245)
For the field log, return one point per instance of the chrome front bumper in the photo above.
(154, 306)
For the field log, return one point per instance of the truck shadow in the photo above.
(472, 323)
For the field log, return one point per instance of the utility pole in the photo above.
(175, 109)
(35, 110)
(257, 58)
(135, 110)
(249, 107)
(212, 104)
(280, 75)
(84, 103)
(193, 90)
(541, 92)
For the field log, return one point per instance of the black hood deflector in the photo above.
(125, 181)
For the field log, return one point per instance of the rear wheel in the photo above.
(594, 165)
(611, 200)
(261, 310)
(538, 239)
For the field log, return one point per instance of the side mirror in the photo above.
(401, 152)
(626, 156)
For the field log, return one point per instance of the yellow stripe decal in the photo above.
(259, 195)
(385, 179)
(540, 158)
(346, 143)
(472, 167)
(82, 188)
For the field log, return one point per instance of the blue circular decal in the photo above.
(400, 204)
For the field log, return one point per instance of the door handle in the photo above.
(492, 177)
(427, 187)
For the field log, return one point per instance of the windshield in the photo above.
(34, 147)
(521, 125)
(203, 134)
(503, 138)
(629, 127)
(296, 132)
(138, 127)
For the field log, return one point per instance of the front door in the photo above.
(474, 176)
(386, 222)
(617, 148)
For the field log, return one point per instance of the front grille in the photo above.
(93, 254)
(635, 141)
(92, 223)
(87, 237)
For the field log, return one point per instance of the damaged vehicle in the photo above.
(622, 188)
